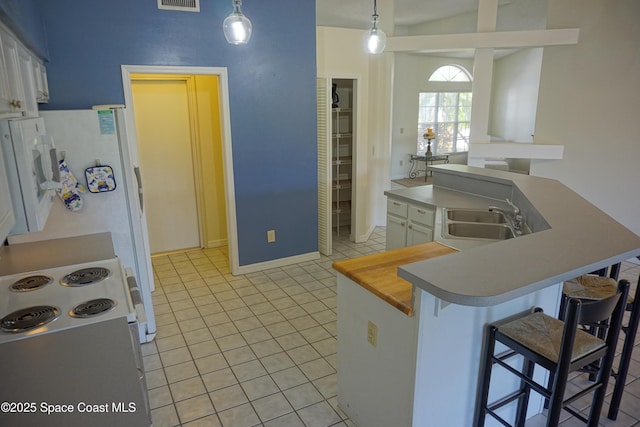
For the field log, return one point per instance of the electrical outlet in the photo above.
(401, 162)
(372, 334)
(271, 236)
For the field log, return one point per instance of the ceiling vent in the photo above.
(183, 5)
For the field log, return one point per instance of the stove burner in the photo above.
(92, 308)
(28, 318)
(31, 283)
(85, 276)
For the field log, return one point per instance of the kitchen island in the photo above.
(422, 370)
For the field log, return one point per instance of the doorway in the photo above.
(209, 163)
(337, 160)
(167, 146)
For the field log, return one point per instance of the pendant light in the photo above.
(375, 39)
(237, 27)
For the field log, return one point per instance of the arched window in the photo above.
(450, 73)
(446, 108)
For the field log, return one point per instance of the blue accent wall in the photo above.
(24, 19)
(271, 88)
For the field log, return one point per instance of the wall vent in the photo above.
(183, 5)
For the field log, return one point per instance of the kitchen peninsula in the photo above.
(418, 365)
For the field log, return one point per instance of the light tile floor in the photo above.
(260, 349)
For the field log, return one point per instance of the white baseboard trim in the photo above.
(280, 262)
(217, 243)
(365, 237)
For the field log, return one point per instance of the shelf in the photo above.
(341, 186)
(342, 110)
(342, 177)
(339, 221)
(342, 135)
(341, 207)
(341, 161)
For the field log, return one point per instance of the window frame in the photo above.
(445, 88)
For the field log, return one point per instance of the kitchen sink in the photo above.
(475, 215)
(477, 230)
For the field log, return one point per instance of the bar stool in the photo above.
(594, 286)
(557, 346)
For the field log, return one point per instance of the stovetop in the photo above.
(63, 297)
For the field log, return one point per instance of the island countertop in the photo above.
(571, 237)
(378, 272)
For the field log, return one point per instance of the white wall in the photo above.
(589, 101)
(516, 79)
(514, 99)
(410, 77)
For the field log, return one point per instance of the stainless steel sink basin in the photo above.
(475, 215)
(471, 230)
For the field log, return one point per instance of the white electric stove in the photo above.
(54, 299)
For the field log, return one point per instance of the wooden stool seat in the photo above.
(543, 334)
(592, 287)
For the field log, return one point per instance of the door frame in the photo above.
(227, 148)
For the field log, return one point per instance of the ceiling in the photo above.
(357, 13)
(517, 15)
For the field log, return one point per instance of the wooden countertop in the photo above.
(379, 272)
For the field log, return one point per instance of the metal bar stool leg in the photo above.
(523, 401)
(561, 375)
(625, 357)
(490, 345)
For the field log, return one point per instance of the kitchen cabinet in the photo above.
(11, 92)
(23, 79)
(41, 83)
(27, 79)
(408, 224)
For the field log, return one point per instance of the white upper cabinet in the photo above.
(5, 93)
(42, 87)
(11, 69)
(28, 81)
(23, 79)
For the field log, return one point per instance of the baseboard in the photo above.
(399, 176)
(365, 237)
(280, 262)
(217, 243)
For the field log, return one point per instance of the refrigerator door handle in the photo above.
(136, 170)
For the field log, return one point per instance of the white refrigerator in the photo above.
(85, 138)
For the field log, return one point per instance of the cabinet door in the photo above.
(417, 234)
(396, 232)
(11, 94)
(40, 79)
(5, 91)
(28, 83)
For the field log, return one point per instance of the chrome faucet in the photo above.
(516, 218)
(516, 210)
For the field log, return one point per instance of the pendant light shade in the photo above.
(376, 39)
(237, 27)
